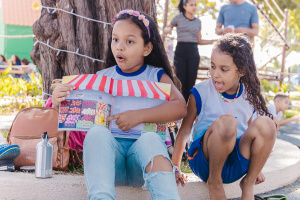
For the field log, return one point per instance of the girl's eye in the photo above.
(130, 42)
(213, 67)
(115, 40)
(224, 70)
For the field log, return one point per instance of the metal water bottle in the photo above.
(43, 158)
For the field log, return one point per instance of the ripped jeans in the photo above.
(110, 161)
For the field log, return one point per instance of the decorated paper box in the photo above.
(97, 97)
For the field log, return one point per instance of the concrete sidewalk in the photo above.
(281, 169)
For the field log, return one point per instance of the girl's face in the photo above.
(1, 59)
(190, 6)
(224, 73)
(128, 46)
(13, 58)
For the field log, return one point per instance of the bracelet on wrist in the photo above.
(177, 169)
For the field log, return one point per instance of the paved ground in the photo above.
(290, 133)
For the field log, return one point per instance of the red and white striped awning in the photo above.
(137, 88)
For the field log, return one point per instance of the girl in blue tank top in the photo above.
(135, 52)
(226, 145)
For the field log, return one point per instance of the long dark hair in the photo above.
(180, 6)
(3, 58)
(239, 48)
(18, 60)
(157, 57)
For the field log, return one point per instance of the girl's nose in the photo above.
(215, 73)
(120, 46)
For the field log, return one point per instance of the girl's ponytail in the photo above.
(180, 6)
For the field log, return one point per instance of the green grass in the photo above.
(291, 113)
(4, 133)
(185, 167)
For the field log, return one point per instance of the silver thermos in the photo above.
(43, 158)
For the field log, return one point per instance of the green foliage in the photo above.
(266, 87)
(76, 168)
(185, 167)
(274, 88)
(4, 134)
(293, 22)
(290, 113)
(297, 87)
(293, 97)
(285, 87)
(19, 89)
(294, 68)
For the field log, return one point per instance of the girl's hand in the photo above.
(60, 93)
(260, 178)
(180, 178)
(126, 120)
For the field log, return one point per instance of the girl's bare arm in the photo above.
(184, 131)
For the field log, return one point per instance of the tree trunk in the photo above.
(68, 32)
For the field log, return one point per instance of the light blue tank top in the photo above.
(211, 106)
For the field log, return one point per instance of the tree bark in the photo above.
(68, 32)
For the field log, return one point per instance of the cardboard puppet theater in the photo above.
(97, 97)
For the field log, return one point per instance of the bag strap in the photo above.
(74, 156)
(66, 136)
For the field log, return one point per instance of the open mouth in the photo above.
(120, 58)
(218, 85)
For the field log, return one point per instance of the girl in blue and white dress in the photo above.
(226, 145)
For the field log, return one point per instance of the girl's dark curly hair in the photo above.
(158, 57)
(180, 6)
(238, 47)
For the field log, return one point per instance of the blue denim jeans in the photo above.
(110, 161)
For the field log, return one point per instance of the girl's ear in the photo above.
(147, 49)
(241, 74)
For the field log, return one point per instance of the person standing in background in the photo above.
(238, 17)
(187, 57)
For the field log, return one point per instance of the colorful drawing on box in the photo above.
(65, 103)
(71, 121)
(149, 127)
(96, 97)
(83, 114)
(159, 128)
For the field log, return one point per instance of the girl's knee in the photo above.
(98, 134)
(266, 127)
(149, 138)
(159, 163)
(226, 127)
